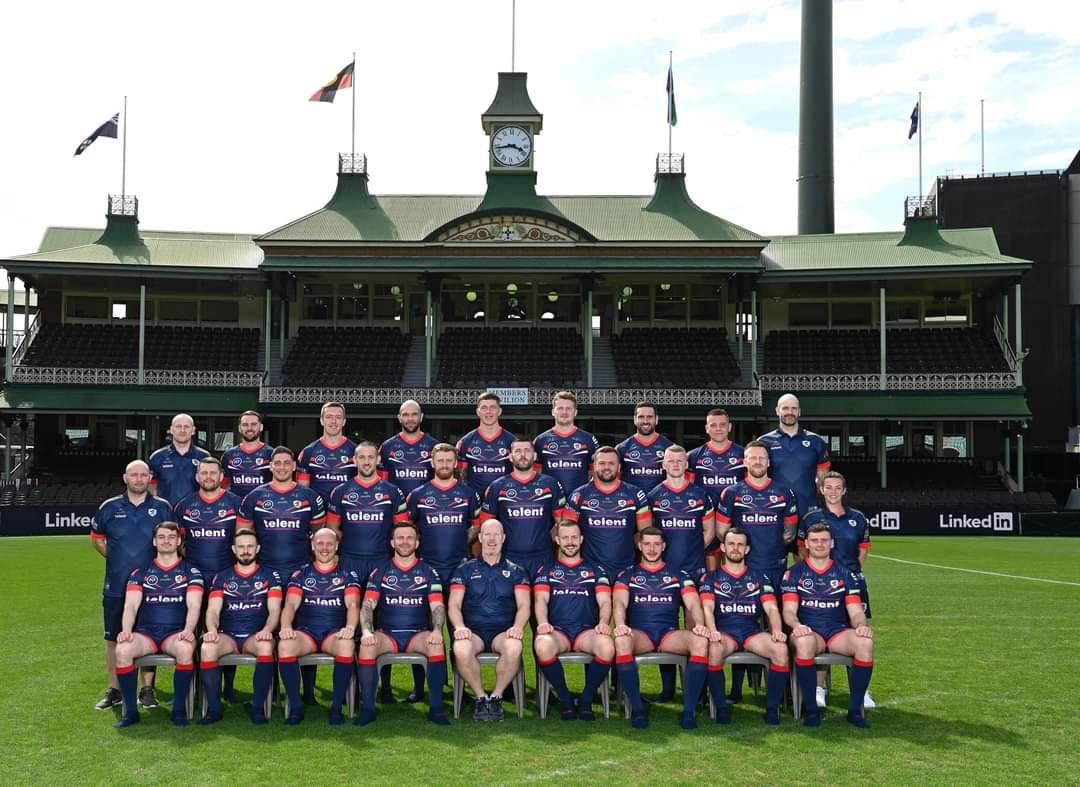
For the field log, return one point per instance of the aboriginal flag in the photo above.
(328, 91)
(914, 121)
(107, 129)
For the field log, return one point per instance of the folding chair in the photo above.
(544, 687)
(326, 660)
(164, 660)
(490, 659)
(821, 660)
(240, 660)
(647, 659)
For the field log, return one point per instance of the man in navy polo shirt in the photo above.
(122, 532)
(798, 458)
(173, 467)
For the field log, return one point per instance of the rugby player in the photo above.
(328, 461)
(405, 458)
(405, 595)
(641, 455)
(488, 610)
(173, 467)
(241, 617)
(732, 598)
(322, 608)
(610, 512)
(484, 453)
(823, 607)
(527, 503)
(645, 606)
(718, 463)
(572, 605)
(247, 464)
(565, 451)
(161, 610)
(122, 532)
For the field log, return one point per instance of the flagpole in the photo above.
(920, 143)
(982, 138)
(123, 158)
(669, 65)
(354, 105)
(513, 34)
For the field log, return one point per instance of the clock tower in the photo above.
(511, 123)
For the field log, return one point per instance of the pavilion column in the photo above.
(753, 335)
(1020, 461)
(142, 334)
(429, 336)
(282, 316)
(9, 345)
(587, 333)
(883, 464)
(266, 335)
(882, 380)
(1018, 347)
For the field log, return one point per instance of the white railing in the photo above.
(53, 375)
(735, 397)
(28, 337)
(929, 381)
(1003, 342)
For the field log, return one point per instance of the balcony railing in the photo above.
(923, 381)
(52, 375)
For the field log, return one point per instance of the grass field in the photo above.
(977, 681)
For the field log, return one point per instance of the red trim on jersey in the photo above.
(493, 438)
(667, 483)
(295, 592)
(659, 567)
(362, 485)
(555, 429)
(317, 522)
(570, 514)
(602, 589)
(383, 474)
(405, 438)
(456, 587)
(800, 543)
(435, 598)
(571, 564)
(810, 565)
(526, 479)
(647, 443)
(541, 588)
(336, 445)
(643, 515)
(526, 588)
(791, 520)
(401, 516)
(333, 519)
(462, 465)
(217, 594)
(274, 593)
(258, 447)
(289, 485)
(689, 589)
(244, 522)
(352, 592)
(136, 588)
(768, 597)
(405, 566)
(824, 466)
(333, 566)
(169, 567)
(195, 589)
(865, 545)
(853, 599)
(438, 484)
(706, 595)
(300, 476)
(791, 597)
(206, 499)
(371, 595)
(723, 518)
(99, 536)
(732, 574)
(240, 570)
(750, 483)
(621, 586)
(858, 663)
(608, 491)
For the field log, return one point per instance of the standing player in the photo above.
(642, 453)
(823, 607)
(405, 458)
(610, 512)
(161, 610)
(719, 463)
(572, 604)
(446, 512)
(241, 617)
(247, 464)
(173, 467)
(488, 610)
(122, 532)
(799, 458)
(733, 597)
(527, 503)
(645, 605)
(322, 608)
(484, 453)
(565, 451)
(406, 597)
(851, 544)
(328, 461)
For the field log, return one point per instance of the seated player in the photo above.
(322, 608)
(732, 598)
(645, 604)
(572, 605)
(241, 617)
(161, 611)
(405, 596)
(488, 610)
(823, 608)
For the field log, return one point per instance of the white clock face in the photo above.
(511, 146)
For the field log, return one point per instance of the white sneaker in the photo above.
(821, 696)
(868, 701)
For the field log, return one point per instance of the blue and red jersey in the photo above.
(244, 595)
(682, 515)
(795, 461)
(128, 530)
(443, 515)
(283, 518)
(609, 521)
(850, 532)
(763, 512)
(404, 595)
(738, 598)
(715, 470)
(567, 456)
(572, 589)
(405, 461)
(173, 473)
(490, 603)
(322, 596)
(323, 466)
(656, 595)
(527, 507)
(165, 591)
(246, 468)
(484, 460)
(823, 596)
(207, 525)
(366, 514)
(642, 460)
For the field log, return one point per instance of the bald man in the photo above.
(798, 458)
(173, 467)
(122, 532)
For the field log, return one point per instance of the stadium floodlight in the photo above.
(395, 290)
(511, 288)
(627, 291)
(665, 286)
(470, 296)
(553, 296)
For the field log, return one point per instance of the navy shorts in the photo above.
(317, 636)
(827, 633)
(487, 636)
(401, 638)
(656, 635)
(113, 607)
(156, 634)
(239, 639)
(740, 633)
(572, 633)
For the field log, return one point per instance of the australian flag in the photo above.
(914, 121)
(107, 129)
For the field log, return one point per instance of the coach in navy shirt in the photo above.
(173, 467)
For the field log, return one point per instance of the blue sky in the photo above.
(222, 138)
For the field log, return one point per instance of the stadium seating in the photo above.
(347, 357)
(166, 347)
(479, 357)
(907, 350)
(490, 659)
(673, 358)
(544, 687)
